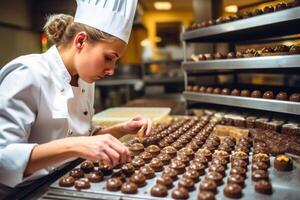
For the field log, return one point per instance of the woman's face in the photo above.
(98, 59)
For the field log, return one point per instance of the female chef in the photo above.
(47, 98)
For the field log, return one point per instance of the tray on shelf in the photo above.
(267, 62)
(267, 25)
(245, 102)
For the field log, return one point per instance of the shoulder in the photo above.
(32, 67)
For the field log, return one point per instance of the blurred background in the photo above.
(150, 73)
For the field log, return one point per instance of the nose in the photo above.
(109, 72)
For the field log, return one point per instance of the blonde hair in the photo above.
(60, 29)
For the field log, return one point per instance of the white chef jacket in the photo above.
(37, 105)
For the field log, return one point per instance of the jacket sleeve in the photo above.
(19, 101)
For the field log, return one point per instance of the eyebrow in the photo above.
(116, 54)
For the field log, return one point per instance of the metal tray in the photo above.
(285, 186)
(245, 102)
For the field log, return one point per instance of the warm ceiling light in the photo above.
(162, 5)
(231, 9)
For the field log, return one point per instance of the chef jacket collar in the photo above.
(60, 75)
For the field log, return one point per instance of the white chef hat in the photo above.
(111, 16)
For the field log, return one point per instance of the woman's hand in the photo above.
(101, 147)
(134, 125)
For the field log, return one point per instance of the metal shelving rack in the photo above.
(260, 27)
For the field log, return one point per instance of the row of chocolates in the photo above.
(283, 96)
(244, 15)
(248, 53)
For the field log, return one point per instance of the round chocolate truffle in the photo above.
(192, 174)
(295, 97)
(209, 90)
(236, 179)
(187, 152)
(165, 158)
(261, 157)
(280, 6)
(113, 184)
(136, 148)
(206, 196)
(219, 161)
(195, 88)
(119, 174)
(156, 164)
(186, 183)
(263, 187)
(159, 190)
(67, 181)
(204, 152)
(180, 193)
(282, 96)
(283, 163)
(268, 95)
(239, 163)
(209, 56)
(170, 151)
(235, 92)
(233, 191)
(295, 49)
(245, 93)
(238, 170)
(231, 55)
(165, 180)
(139, 179)
(199, 167)
(219, 56)
(256, 94)
(257, 12)
(137, 162)
(146, 156)
(95, 177)
(217, 168)
(217, 91)
(281, 49)
(82, 183)
(178, 166)
(105, 168)
(87, 166)
(147, 171)
(214, 176)
(211, 22)
(225, 91)
(268, 9)
(259, 166)
(170, 172)
(202, 89)
(208, 185)
(183, 159)
(76, 173)
(127, 169)
(153, 149)
(240, 155)
(260, 175)
(129, 188)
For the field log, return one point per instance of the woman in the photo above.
(46, 98)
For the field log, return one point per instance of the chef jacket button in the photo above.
(85, 112)
(70, 132)
(83, 90)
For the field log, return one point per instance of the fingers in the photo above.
(113, 155)
(120, 148)
(149, 127)
(104, 157)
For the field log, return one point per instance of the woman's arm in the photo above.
(89, 147)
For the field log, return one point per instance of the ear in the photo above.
(79, 39)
